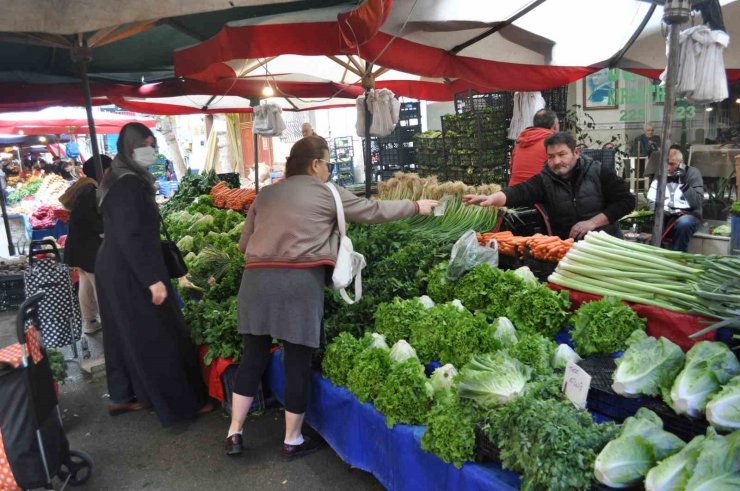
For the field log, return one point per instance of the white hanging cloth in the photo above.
(268, 120)
(385, 110)
(701, 71)
(526, 104)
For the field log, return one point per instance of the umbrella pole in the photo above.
(674, 15)
(255, 148)
(82, 54)
(368, 83)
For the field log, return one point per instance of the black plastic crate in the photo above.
(410, 111)
(11, 299)
(601, 398)
(508, 262)
(12, 282)
(683, 427)
(607, 156)
(541, 269)
(472, 101)
(524, 222)
(231, 179)
(557, 100)
(485, 449)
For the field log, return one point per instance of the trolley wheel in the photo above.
(78, 469)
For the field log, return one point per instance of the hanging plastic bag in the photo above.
(467, 253)
(268, 120)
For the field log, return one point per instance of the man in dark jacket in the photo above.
(529, 154)
(578, 193)
(684, 197)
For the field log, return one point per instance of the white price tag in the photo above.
(439, 210)
(576, 383)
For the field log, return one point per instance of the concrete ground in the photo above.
(133, 452)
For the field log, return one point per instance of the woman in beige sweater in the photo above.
(290, 241)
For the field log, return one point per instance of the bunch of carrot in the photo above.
(233, 199)
(541, 247)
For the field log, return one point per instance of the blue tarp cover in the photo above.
(359, 435)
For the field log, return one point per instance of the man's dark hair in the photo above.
(676, 146)
(561, 138)
(545, 118)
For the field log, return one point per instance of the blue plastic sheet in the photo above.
(359, 435)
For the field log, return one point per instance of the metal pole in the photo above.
(83, 55)
(256, 160)
(673, 18)
(368, 157)
(255, 143)
(368, 83)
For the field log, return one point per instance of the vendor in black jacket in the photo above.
(578, 193)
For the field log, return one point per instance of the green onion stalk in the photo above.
(688, 283)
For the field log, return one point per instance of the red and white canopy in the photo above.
(299, 47)
(56, 120)
(513, 45)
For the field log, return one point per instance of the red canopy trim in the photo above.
(362, 23)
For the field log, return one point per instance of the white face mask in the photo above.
(144, 156)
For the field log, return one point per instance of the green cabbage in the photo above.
(493, 379)
(402, 351)
(709, 364)
(648, 366)
(526, 275)
(641, 444)
(185, 244)
(675, 471)
(723, 410)
(505, 333)
(563, 355)
(718, 465)
(443, 377)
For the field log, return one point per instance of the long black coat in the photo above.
(148, 352)
(85, 227)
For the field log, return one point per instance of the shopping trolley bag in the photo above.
(59, 312)
(33, 446)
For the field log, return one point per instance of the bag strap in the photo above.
(340, 209)
(164, 228)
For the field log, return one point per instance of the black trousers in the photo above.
(254, 361)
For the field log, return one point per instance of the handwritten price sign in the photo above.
(576, 383)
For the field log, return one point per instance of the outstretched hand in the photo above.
(480, 200)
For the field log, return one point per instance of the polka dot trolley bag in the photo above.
(59, 312)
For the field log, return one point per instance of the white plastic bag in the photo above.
(467, 253)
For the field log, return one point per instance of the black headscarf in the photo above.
(132, 136)
(89, 166)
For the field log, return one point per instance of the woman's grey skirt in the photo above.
(287, 304)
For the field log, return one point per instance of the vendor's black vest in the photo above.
(569, 202)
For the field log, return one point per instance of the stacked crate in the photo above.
(342, 160)
(396, 152)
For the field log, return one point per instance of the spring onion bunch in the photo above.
(457, 218)
(677, 281)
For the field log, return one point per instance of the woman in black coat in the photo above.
(84, 238)
(149, 356)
